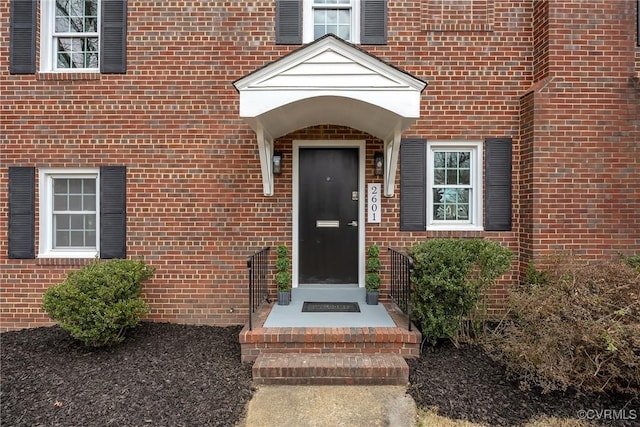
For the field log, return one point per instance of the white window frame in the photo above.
(46, 177)
(475, 199)
(307, 21)
(48, 60)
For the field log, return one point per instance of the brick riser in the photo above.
(330, 369)
(369, 341)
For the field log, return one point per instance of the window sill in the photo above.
(64, 76)
(454, 228)
(64, 261)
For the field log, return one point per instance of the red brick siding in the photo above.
(525, 185)
(540, 39)
(195, 207)
(457, 15)
(585, 155)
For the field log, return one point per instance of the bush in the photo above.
(97, 303)
(283, 276)
(579, 327)
(372, 280)
(449, 277)
(633, 261)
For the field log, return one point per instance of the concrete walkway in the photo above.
(330, 406)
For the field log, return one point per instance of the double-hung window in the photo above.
(454, 185)
(82, 212)
(356, 21)
(70, 35)
(75, 36)
(330, 17)
(69, 217)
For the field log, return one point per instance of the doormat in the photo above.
(330, 307)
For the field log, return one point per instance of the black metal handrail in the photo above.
(258, 265)
(401, 269)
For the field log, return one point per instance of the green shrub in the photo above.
(581, 328)
(97, 303)
(373, 265)
(535, 277)
(282, 251)
(372, 280)
(283, 275)
(282, 264)
(449, 277)
(633, 261)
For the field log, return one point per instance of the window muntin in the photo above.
(321, 17)
(76, 34)
(69, 213)
(454, 174)
(70, 35)
(332, 16)
(451, 185)
(74, 213)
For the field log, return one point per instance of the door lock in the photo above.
(352, 224)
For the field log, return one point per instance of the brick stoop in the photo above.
(352, 340)
(330, 369)
(330, 356)
(329, 340)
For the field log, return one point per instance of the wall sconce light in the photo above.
(378, 164)
(277, 162)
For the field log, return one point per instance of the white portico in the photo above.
(329, 81)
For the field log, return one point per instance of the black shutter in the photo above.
(413, 194)
(22, 45)
(22, 208)
(497, 184)
(113, 210)
(373, 22)
(288, 22)
(113, 37)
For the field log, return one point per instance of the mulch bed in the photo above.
(161, 375)
(176, 375)
(465, 383)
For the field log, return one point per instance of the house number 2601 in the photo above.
(375, 212)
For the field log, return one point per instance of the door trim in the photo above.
(361, 145)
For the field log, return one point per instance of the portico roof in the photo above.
(329, 81)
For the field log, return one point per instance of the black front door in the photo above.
(328, 216)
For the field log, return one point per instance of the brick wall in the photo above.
(195, 207)
(585, 170)
(540, 39)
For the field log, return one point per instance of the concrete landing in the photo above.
(292, 316)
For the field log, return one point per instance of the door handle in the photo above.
(352, 224)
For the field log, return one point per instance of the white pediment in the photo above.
(329, 81)
(329, 67)
(327, 70)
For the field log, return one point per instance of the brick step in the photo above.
(330, 369)
(297, 340)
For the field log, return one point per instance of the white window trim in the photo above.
(307, 21)
(46, 176)
(47, 49)
(476, 200)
